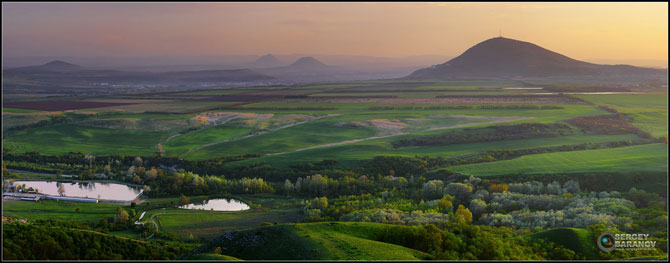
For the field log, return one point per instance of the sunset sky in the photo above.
(624, 31)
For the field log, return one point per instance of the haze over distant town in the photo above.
(354, 34)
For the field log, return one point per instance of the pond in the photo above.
(97, 190)
(218, 205)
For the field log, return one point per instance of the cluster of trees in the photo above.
(457, 241)
(435, 189)
(343, 205)
(41, 168)
(40, 242)
(188, 183)
(486, 134)
(392, 216)
(506, 154)
(521, 205)
(396, 165)
(532, 204)
(116, 166)
(642, 198)
(322, 185)
(569, 217)
(536, 188)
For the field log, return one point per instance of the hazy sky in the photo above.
(578, 30)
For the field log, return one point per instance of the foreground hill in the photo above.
(504, 57)
(311, 241)
(377, 241)
(40, 242)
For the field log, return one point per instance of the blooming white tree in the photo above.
(477, 206)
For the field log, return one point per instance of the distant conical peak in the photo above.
(268, 59)
(307, 61)
(268, 56)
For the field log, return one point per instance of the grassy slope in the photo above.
(323, 131)
(579, 240)
(49, 209)
(314, 133)
(651, 157)
(183, 143)
(64, 138)
(382, 147)
(315, 241)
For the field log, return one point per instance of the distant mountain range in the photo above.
(494, 58)
(504, 57)
(190, 63)
(53, 66)
(59, 71)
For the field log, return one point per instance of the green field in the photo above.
(382, 147)
(650, 157)
(630, 103)
(63, 138)
(185, 223)
(649, 112)
(63, 210)
(188, 141)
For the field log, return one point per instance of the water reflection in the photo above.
(218, 205)
(99, 190)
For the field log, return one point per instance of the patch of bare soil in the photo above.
(214, 118)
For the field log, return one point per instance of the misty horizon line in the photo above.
(250, 59)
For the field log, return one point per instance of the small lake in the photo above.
(97, 190)
(218, 205)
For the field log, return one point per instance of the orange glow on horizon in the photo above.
(582, 31)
